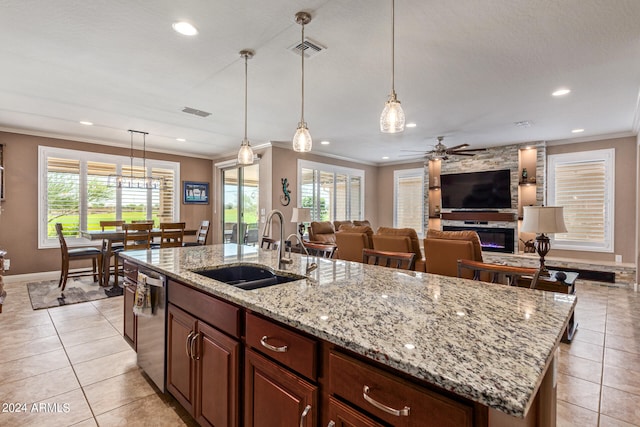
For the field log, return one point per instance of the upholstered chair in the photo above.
(362, 223)
(351, 240)
(338, 224)
(322, 232)
(395, 240)
(443, 249)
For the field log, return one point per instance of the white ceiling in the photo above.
(466, 69)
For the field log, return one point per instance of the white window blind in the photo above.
(74, 191)
(409, 199)
(331, 192)
(582, 183)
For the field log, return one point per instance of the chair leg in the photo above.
(115, 269)
(95, 270)
(65, 274)
(99, 261)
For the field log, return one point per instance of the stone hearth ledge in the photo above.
(488, 343)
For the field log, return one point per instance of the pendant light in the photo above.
(245, 155)
(392, 117)
(136, 181)
(302, 139)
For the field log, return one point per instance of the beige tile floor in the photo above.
(74, 360)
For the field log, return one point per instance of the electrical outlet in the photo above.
(7, 263)
(618, 258)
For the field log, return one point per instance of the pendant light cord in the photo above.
(393, 45)
(302, 54)
(131, 156)
(245, 98)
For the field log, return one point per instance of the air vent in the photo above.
(523, 124)
(310, 48)
(196, 112)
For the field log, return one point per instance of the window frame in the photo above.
(408, 173)
(335, 170)
(45, 152)
(606, 155)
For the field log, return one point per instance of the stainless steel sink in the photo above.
(247, 277)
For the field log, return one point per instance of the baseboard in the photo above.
(32, 277)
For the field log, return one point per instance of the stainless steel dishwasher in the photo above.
(152, 329)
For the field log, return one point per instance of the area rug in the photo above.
(46, 294)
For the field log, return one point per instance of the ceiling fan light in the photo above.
(392, 117)
(245, 154)
(302, 139)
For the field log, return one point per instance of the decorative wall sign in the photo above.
(285, 199)
(195, 192)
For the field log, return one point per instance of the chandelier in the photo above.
(136, 180)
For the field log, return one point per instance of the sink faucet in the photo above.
(310, 267)
(265, 233)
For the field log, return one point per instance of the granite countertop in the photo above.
(489, 343)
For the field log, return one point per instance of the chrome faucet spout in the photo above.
(265, 232)
(309, 267)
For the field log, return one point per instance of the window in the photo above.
(408, 211)
(74, 191)
(583, 183)
(332, 192)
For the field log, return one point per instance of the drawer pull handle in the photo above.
(265, 344)
(404, 412)
(194, 356)
(189, 344)
(304, 414)
(331, 424)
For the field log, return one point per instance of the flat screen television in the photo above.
(476, 190)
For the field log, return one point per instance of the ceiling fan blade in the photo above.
(460, 153)
(457, 147)
(471, 149)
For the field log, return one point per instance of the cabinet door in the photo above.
(217, 378)
(275, 397)
(181, 328)
(342, 415)
(129, 318)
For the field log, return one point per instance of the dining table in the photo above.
(109, 238)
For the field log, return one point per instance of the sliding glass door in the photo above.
(240, 204)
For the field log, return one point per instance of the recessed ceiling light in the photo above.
(561, 92)
(325, 142)
(86, 123)
(410, 125)
(385, 157)
(180, 139)
(184, 28)
(577, 130)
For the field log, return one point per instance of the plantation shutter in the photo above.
(581, 189)
(409, 201)
(101, 199)
(63, 196)
(163, 208)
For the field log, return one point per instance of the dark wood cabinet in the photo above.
(341, 415)
(202, 369)
(130, 321)
(275, 397)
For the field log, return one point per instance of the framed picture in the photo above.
(195, 192)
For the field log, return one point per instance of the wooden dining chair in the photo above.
(76, 254)
(401, 260)
(201, 235)
(137, 236)
(110, 248)
(502, 274)
(319, 249)
(171, 234)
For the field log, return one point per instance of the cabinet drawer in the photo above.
(287, 347)
(393, 400)
(217, 313)
(130, 270)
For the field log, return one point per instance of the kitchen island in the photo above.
(493, 347)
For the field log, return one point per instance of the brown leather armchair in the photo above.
(352, 240)
(322, 232)
(443, 249)
(362, 223)
(338, 224)
(400, 240)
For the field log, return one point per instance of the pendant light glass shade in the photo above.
(302, 138)
(392, 117)
(245, 155)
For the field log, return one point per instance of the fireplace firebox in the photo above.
(492, 239)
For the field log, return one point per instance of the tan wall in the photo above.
(19, 218)
(385, 192)
(625, 197)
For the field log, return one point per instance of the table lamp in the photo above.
(300, 216)
(543, 220)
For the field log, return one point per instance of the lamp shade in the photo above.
(543, 219)
(301, 215)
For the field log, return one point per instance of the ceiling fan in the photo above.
(442, 152)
